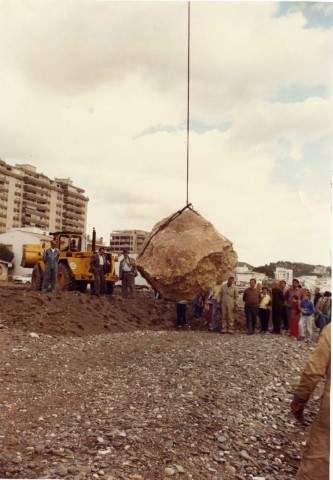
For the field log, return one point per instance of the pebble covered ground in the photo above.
(145, 403)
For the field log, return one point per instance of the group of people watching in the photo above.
(99, 267)
(291, 308)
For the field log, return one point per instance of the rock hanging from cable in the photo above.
(183, 254)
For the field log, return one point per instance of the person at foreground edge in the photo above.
(127, 274)
(51, 259)
(315, 462)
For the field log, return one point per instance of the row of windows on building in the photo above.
(30, 199)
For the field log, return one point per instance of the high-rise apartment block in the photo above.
(31, 199)
(131, 239)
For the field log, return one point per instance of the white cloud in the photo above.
(82, 81)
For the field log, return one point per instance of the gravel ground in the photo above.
(145, 403)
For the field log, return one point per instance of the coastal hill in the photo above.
(299, 269)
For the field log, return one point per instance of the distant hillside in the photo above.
(299, 269)
(244, 264)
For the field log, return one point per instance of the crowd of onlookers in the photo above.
(293, 309)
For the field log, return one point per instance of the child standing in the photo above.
(305, 321)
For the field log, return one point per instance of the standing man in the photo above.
(98, 268)
(215, 297)
(294, 290)
(251, 297)
(278, 301)
(229, 294)
(127, 274)
(51, 259)
(323, 310)
(317, 296)
(285, 321)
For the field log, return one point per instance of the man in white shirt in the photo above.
(98, 268)
(127, 274)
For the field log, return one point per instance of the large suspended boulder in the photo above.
(184, 253)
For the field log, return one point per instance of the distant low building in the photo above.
(320, 270)
(16, 238)
(244, 275)
(285, 274)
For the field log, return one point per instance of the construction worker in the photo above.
(229, 293)
(127, 274)
(51, 259)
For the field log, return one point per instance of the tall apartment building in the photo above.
(131, 239)
(31, 199)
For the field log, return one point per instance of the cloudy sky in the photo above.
(97, 91)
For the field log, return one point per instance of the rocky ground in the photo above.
(108, 389)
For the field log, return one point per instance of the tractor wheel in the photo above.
(109, 286)
(64, 278)
(37, 278)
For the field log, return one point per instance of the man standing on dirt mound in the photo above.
(50, 258)
(127, 274)
(98, 268)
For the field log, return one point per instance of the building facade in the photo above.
(31, 199)
(16, 239)
(131, 239)
(285, 274)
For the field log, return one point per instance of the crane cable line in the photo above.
(188, 205)
(188, 100)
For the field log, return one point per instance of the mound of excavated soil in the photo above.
(78, 314)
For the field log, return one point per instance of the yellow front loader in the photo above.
(74, 263)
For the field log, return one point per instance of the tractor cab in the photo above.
(68, 242)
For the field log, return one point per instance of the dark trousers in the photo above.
(277, 318)
(99, 284)
(128, 284)
(251, 314)
(286, 314)
(323, 320)
(181, 314)
(50, 274)
(264, 318)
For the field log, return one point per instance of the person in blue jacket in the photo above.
(305, 325)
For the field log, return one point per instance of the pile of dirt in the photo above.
(79, 314)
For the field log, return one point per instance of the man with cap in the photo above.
(127, 274)
(229, 294)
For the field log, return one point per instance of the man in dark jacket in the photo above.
(251, 298)
(51, 259)
(98, 268)
(127, 274)
(278, 301)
